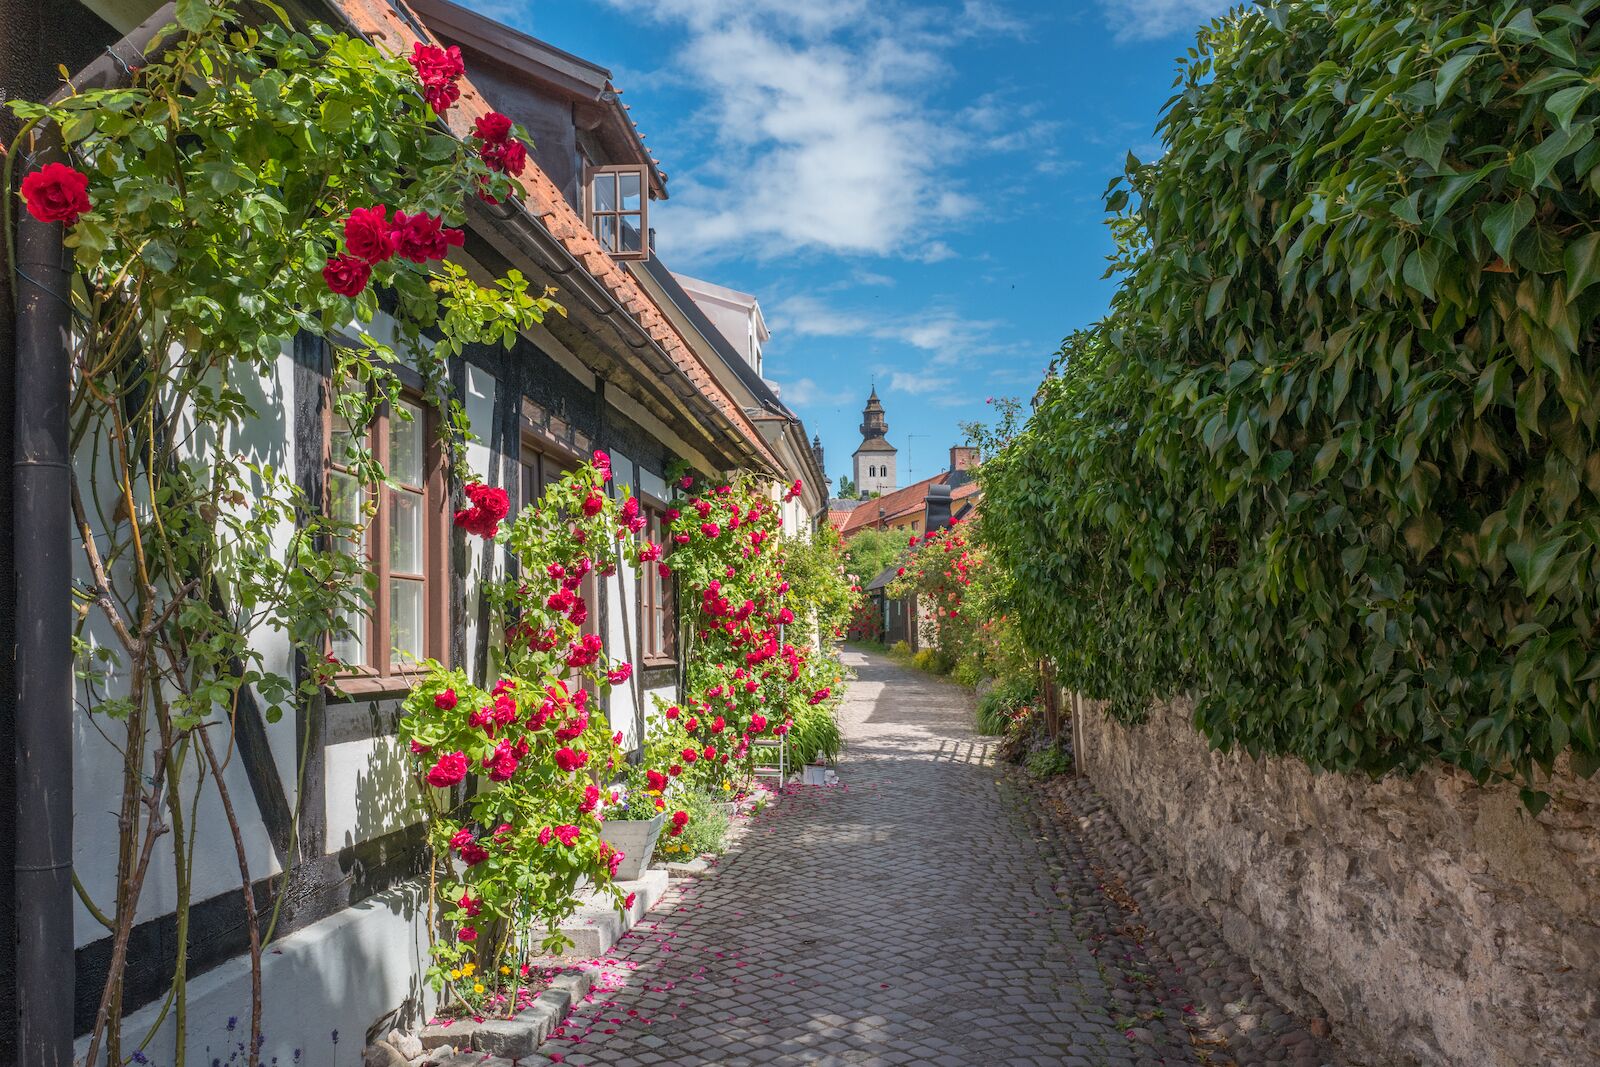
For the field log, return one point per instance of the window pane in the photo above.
(344, 503)
(405, 531)
(630, 191)
(342, 440)
(606, 230)
(605, 193)
(407, 451)
(630, 233)
(405, 620)
(352, 647)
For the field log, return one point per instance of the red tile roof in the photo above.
(902, 501)
(543, 200)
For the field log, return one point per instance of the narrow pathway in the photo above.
(904, 917)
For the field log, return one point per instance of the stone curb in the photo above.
(517, 1037)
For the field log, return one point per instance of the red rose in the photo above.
(567, 835)
(367, 234)
(569, 761)
(468, 933)
(461, 839)
(689, 755)
(710, 529)
(591, 798)
(489, 506)
(656, 780)
(592, 504)
(508, 157)
(422, 237)
(347, 275)
(620, 674)
(435, 65)
(468, 904)
(445, 700)
(629, 902)
(602, 463)
(450, 769)
(56, 193)
(474, 854)
(492, 127)
(437, 69)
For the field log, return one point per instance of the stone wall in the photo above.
(1431, 920)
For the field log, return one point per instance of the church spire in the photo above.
(873, 423)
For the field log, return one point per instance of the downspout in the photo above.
(42, 528)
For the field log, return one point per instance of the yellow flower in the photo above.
(467, 969)
(455, 975)
(504, 969)
(727, 787)
(477, 987)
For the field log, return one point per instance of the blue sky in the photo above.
(911, 187)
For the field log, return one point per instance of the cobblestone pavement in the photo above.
(915, 914)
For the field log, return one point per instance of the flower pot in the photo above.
(636, 840)
(814, 774)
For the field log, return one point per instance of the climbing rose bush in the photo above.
(516, 776)
(744, 678)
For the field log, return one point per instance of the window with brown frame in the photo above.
(617, 208)
(404, 544)
(659, 641)
(540, 470)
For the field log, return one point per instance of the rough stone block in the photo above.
(437, 1035)
(512, 1038)
(695, 868)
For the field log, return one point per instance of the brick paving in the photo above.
(915, 914)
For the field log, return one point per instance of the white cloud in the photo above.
(943, 334)
(1147, 20)
(918, 384)
(805, 392)
(824, 136)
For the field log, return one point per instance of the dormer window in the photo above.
(618, 210)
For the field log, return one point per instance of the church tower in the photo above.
(874, 459)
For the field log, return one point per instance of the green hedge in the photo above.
(1331, 461)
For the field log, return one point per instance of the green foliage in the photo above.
(820, 593)
(998, 708)
(933, 660)
(1331, 462)
(847, 488)
(815, 735)
(707, 830)
(1048, 762)
(867, 553)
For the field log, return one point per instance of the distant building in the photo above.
(736, 315)
(918, 507)
(875, 457)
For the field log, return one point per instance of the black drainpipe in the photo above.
(42, 528)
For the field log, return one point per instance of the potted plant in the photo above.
(634, 819)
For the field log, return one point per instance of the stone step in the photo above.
(596, 925)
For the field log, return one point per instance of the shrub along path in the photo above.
(909, 916)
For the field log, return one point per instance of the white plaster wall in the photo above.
(479, 405)
(97, 756)
(353, 967)
(622, 613)
(369, 791)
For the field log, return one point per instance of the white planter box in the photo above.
(636, 840)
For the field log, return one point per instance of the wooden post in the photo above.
(1052, 699)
